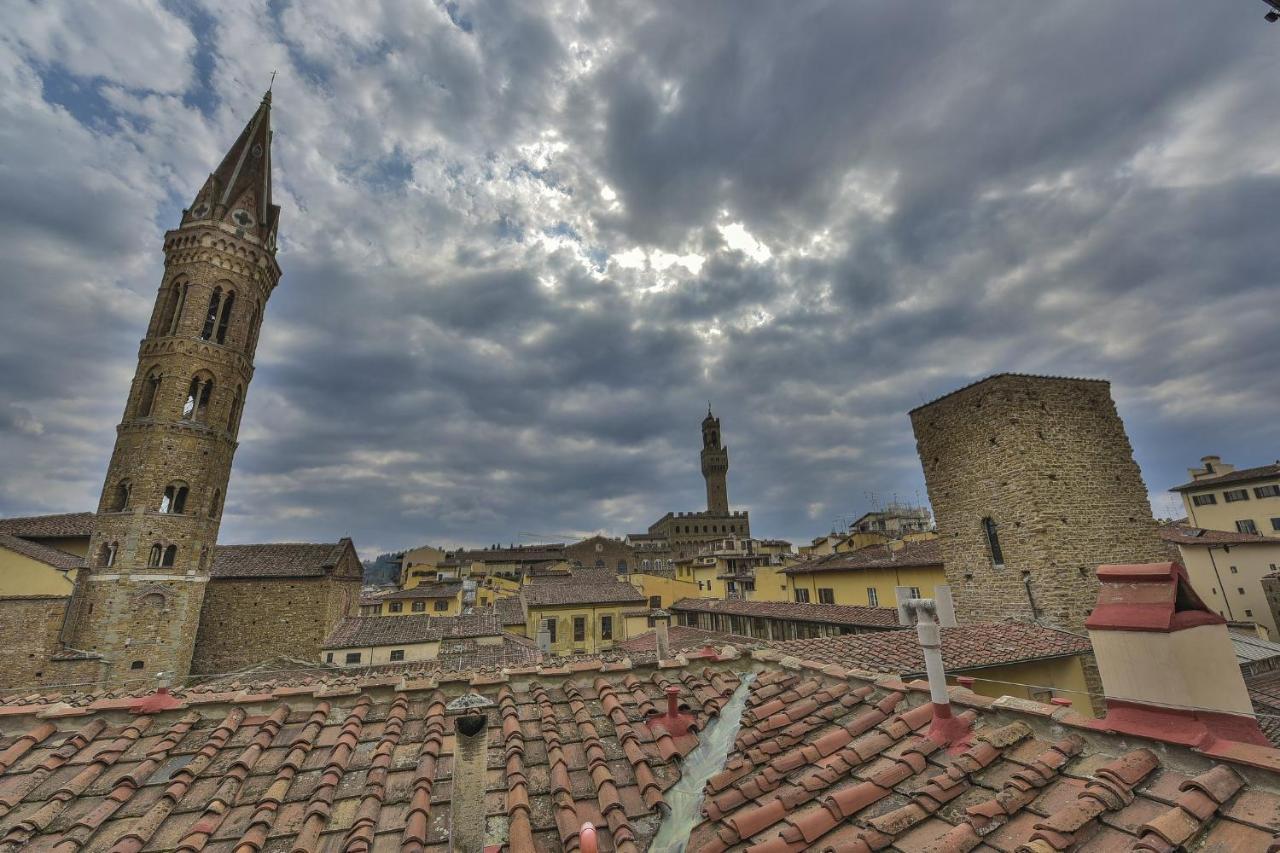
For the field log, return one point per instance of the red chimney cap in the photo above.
(1148, 597)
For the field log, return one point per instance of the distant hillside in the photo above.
(384, 570)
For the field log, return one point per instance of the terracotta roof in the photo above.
(596, 592)
(363, 631)
(280, 559)
(683, 637)
(60, 560)
(824, 765)
(995, 376)
(831, 614)
(445, 589)
(911, 554)
(471, 653)
(1185, 534)
(1264, 692)
(524, 554)
(825, 759)
(64, 525)
(510, 611)
(964, 647)
(1262, 472)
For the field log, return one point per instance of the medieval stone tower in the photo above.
(136, 606)
(715, 466)
(1033, 484)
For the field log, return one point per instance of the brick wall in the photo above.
(247, 621)
(611, 551)
(28, 635)
(1048, 460)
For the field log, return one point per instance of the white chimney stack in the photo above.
(930, 615)
(1166, 660)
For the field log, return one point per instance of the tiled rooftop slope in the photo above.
(826, 759)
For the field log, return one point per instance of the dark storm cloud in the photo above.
(524, 246)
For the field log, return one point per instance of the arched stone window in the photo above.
(599, 564)
(215, 506)
(173, 308)
(156, 555)
(147, 397)
(120, 497)
(217, 318)
(170, 556)
(233, 415)
(198, 393)
(255, 320)
(225, 320)
(136, 665)
(175, 498)
(107, 553)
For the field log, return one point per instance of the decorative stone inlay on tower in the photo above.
(136, 605)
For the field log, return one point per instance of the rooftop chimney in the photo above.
(1168, 668)
(930, 615)
(661, 633)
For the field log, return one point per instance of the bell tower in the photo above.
(136, 604)
(715, 466)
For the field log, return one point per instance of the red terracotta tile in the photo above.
(1227, 836)
(1255, 808)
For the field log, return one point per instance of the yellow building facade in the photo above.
(31, 570)
(869, 576)
(1221, 497)
(578, 629)
(420, 565)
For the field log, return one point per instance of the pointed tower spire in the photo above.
(238, 192)
(135, 608)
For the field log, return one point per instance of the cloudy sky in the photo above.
(523, 246)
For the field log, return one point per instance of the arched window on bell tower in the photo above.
(255, 321)
(225, 319)
(120, 497)
(218, 317)
(196, 407)
(174, 499)
(233, 415)
(173, 308)
(147, 397)
(107, 554)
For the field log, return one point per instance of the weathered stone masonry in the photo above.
(136, 608)
(1047, 461)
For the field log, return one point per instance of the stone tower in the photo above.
(136, 605)
(715, 466)
(1033, 485)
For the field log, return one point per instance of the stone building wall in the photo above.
(28, 636)
(246, 621)
(687, 532)
(612, 552)
(1048, 461)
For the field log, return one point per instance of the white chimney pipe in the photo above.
(945, 729)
